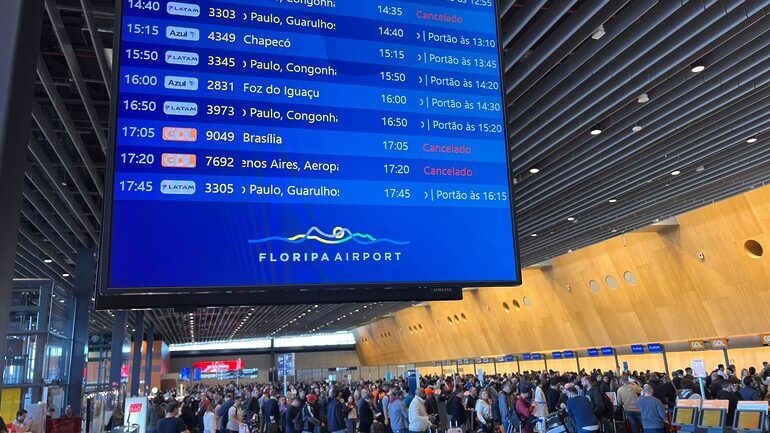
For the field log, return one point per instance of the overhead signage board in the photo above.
(608, 351)
(637, 349)
(592, 352)
(286, 365)
(526, 356)
(569, 354)
(277, 146)
(765, 339)
(697, 345)
(720, 343)
(556, 355)
(655, 348)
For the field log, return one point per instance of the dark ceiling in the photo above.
(562, 82)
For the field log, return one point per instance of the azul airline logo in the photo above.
(182, 58)
(177, 187)
(172, 133)
(181, 83)
(183, 33)
(174, 108)
(183, 9)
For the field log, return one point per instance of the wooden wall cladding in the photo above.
(652, 287)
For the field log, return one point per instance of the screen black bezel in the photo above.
(762, 416)
(159, 297)
(694, 419)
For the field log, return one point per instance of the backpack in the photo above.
(607, 409)
(297, 421)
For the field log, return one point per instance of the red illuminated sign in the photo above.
(219, 366)
(135, 408)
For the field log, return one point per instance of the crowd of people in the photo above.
(517, 402)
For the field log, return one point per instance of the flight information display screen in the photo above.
(329, 143)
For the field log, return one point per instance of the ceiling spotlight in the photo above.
(613, 200)
(596, 131)
(643, 98)
(534, 170)
(65, 275)
(676, 173)
(570, 218)
(534, 235)
(614, 230)
(47, 261)
(656, 220)
(636, 128)
(700, 168)
(598, 33)
(697, 67)
(751, 140)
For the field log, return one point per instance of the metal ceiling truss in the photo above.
(570, 66)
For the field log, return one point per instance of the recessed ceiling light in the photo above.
(47, 261)
(697, 67)
(534, 170)
(614, 230)
(643, 98)
(65, 275)
(656, 220)
(636, 128)
(534, 235)
(676, 173)
(612, 200)
(570, 218)
(596, 131)
(751, 140)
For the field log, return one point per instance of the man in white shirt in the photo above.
(419, 421)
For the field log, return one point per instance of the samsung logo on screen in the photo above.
(183, 9)
(173, 108)
(183, 33)
(182, 58)
(181, 83)
(177, 187)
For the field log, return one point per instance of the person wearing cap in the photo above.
(310, 420)
(729, 392)
(652, 410)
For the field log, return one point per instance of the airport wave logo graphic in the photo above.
(339, 235)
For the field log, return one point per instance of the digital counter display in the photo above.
(301, 143)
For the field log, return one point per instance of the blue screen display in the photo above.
(637, 348)
(655, 348)
(593, 352)
(607, 351)
(569, 354)
(309, 142)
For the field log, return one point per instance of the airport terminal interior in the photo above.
(384, 216)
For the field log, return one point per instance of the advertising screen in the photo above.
(712, 418)
(218, 366)
(325, 143)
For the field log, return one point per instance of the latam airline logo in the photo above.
(174, 108)
(172, 133)
(178, 160)
(183, 9)
(182, 58)
(180, 83)
(183, 33)
(177, 187)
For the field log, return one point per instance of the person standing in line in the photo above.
(351, 420)
(365, 412)
(580, 408)
(397, 412)
(334, 413)
(209, 420)
(171, 423)
(484, 412)
(235, 416)
(652, 411)
(627, 395)
(419, 421)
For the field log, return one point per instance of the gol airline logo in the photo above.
(697, 345)
(171, 133)
(719, 343)
(765, 339)
(178, 160)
